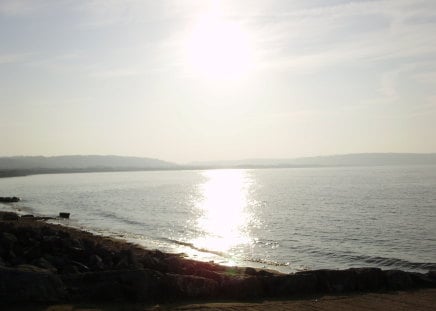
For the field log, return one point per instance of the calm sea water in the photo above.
(285, 219)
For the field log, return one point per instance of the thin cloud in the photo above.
(397, 40)
(115, 73)
(16, 7)
(14, 58)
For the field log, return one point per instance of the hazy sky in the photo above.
(214, 80)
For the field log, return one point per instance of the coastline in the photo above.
(67, 265)
(30, 172)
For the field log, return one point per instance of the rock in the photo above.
(209, 275)
(10, 256)
(80, 266)
(304, 283)
(172, 264)
(76, 243)
(242, 288)
(51, 243)
(42, 251)
(30, 268)
(43, 263)
(33, 252)
(32, 234)
(70, 269)
(18, 249)
(189, 287)
(44, 218)
(96, 262)
(301, 283)
(16, 260)
(10, 216)
(8, 240)
(129, 285)
(88, 244)
(150, 262)
(423, 280)
(432, 274)
(30, 284)
(77, 253)
(64, 235)
(105, 255)
(24, 236)
(126, 259)
(123, 263)
(27, 217)
(264, 273)
(355, 279)
(369, 279)
(64, 215)
(47, 231)
(398, 280)
(335, 281)
(250, 271)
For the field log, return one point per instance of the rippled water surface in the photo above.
(285, 219)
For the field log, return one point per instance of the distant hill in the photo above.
(20, 166)
(85, 162)
(358, 159)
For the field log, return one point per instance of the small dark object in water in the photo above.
(9, 199)
(64, 215)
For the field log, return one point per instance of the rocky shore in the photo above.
(41, 262)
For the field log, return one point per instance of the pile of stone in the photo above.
(50, 263)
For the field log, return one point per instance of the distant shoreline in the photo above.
(29, 172)
(15, 166)
(5, 173)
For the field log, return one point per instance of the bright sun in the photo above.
(218, 49)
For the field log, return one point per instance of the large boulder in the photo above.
(369, 279)
(30, 284)
(423, 280)
(9, 216)
(8, 240)
(349, 280)
(179, 286)
(335, 281)
(401, 280)
(398, 280)
(301, 283)
(250, 287)
(125, 285)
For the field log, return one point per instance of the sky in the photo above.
(217, 80)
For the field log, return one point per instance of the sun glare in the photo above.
(218, 48)
(223, 210)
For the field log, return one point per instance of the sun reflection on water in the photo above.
(223, 214)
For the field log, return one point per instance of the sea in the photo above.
(286, 219)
